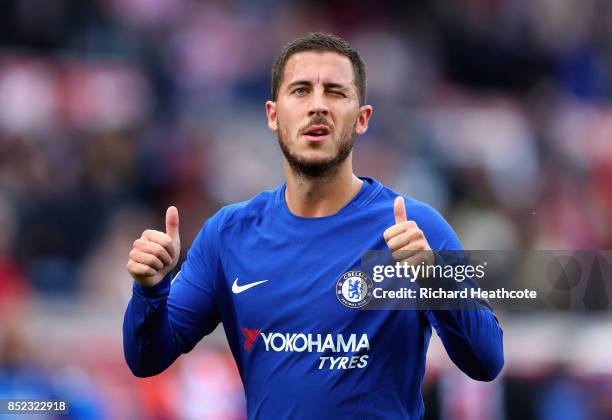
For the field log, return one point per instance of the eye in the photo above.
(299, 91)
(337, 93)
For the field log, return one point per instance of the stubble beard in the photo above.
(321, 169)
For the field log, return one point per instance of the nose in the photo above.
(318, 104)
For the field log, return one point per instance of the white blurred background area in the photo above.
(496, 112)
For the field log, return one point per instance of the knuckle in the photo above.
(156, 251)
(398, 245)
(166, 257)
(391, 232)
(149, 233)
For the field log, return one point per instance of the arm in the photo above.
(472, 337)
(165, 319)
(473, 340)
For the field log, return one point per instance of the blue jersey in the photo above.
(271, 278)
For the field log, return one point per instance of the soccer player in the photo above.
(280, 270)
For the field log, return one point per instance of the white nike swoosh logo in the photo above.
(239, 289)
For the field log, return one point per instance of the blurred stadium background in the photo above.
(496, 112)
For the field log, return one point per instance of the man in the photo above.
(272, 269)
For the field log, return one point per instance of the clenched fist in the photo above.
(156, 253)
(405, 240)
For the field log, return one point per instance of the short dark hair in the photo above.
(320, 41)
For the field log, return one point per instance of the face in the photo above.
(317, 113)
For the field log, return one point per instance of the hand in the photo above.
(156, 253)
(405, 240)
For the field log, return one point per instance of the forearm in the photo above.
(473, 339)
(148, 341)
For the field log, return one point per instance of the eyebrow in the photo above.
(330, 85)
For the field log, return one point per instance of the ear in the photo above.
(271, 113)
(365, 112)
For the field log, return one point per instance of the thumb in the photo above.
(172, 222)
(399, 210)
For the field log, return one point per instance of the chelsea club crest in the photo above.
(354, 289)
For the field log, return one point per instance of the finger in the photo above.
(138, 269)
(398, 229)
(172, 222)
(154, 248)
(399, 210)
(403, 255)
(146, 259)
(420, 257)
(416, 247)
(160, 238)
(414, 261)
(404, 239)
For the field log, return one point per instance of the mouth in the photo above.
(316, 133)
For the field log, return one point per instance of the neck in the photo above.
(321, 196)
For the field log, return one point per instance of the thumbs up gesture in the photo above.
(405, 240)
(156, 253)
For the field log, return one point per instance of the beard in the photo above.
(318, 168)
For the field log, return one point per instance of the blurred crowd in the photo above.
(496, 112)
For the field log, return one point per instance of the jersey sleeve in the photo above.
(168, 319)
(473, 337)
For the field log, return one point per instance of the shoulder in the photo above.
(438, 231)
(420, 212)
(245, 211)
